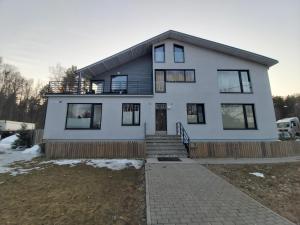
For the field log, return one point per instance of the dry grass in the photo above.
(73, 195)
(279, 190)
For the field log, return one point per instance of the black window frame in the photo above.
(178, 46)
(92, 116)
(166, 81)
(203, 113)
(158, 46)
(245, 116)
(133, 117)
(240, 82)
(118, 75)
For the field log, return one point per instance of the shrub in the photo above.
(24, 138)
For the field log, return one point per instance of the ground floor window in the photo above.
(195, 113)
(130, 114)
(84, 116)
(238, 116)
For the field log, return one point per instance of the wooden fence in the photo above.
(128, 149)
(244, 149)
(38, 136)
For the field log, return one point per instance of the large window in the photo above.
(119, 84)
(163, 76)
(159, 53)
(238, 116)
(195, 113)
(234, 81)
(84, 116)
(130, 114)
(178, 54)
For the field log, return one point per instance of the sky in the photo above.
(38, 34)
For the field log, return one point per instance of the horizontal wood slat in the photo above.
(244, 149)
(129, 150)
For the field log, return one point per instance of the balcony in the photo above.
(99, 88)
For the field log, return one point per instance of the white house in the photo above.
(216, 92)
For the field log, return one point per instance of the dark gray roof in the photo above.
(146, 47)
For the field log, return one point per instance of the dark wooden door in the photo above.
(161, 116)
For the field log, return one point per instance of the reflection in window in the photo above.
(84, 116)
(159, 53)
(178, 54)
(119, 84)
(131, 114)
(238, 116)
(234, 81)
(97, 86)
(195, 113)
(160, 84)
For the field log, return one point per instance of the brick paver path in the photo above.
(191, 194)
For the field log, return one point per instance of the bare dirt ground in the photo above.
(76, 195)
(279, 190)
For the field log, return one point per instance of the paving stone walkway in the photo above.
(190, 194)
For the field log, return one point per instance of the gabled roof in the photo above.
(146, 47)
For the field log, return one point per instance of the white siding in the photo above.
(205, 90)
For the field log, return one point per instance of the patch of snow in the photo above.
(7, 142)
(258, 174)
(113, 164)
(18, 171)
(33, 150)
(10, 156)
(62, 162)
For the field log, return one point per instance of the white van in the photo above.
(288, 127)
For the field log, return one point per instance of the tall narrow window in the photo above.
(130, 114)
(195, 113)
(234, 81)
(84, 116)
(160, 83)
(178, 54)
(159, 54)
(238, 116)
(119, 84)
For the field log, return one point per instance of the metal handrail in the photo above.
(75, 87)
(184, 136)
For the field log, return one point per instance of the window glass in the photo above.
(97, 117)
(246, 82)
(195, 113)
(250, 116)
(190, 76)
(131, 114)
(97, 87)
(178, 53)
(160, 85)
(233, 117)
(119, 83)
(80, 116)
(159, 53)
(229, 81)
(175, 75)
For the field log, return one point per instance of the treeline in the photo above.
(20, 100)
(288, 106)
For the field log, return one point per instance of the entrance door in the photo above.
(161, 117)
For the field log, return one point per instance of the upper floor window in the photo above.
(234, 81)
(159, 53)
(195, 113)
(238, 116)
(119, 84)
(84, 116)
(130, 114)
(178, 54)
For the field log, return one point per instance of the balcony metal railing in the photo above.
(100, 88)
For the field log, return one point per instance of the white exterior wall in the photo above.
(205, 90)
